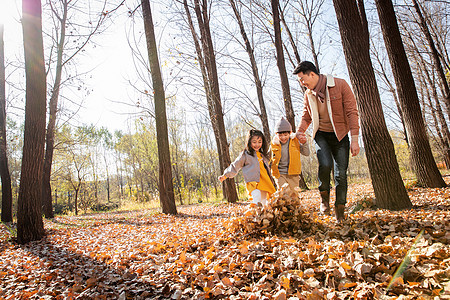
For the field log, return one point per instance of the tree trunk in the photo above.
(388, 186)
(291, 39)
(290, 116)
(256, 78)
(76, 200)
(310, 12)
(207, 61)
(166, 194)
(50, 136)
(392, 90)
(443, 132)
(108, 189)
(206, 84)
(422, 159)
(397, 104)
(95, 176)
(30, 226)
(7, 215)
(311, 42)
(211, 67)
(434, 55)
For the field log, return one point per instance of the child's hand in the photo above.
(301, 136)
(222, 178)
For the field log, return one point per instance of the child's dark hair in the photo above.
(264, 148)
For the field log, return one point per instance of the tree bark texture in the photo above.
(209, 73)
(259, 89)
(388, 186)
(422, 159)
(7, 215)
(166, 194)
(30, 226)
(290, 116)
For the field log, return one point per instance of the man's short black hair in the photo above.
(305, 67)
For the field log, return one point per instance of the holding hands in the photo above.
(301, 136)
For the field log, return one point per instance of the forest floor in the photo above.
(238, 251)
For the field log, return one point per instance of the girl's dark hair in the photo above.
(264, 148)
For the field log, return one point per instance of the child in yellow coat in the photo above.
(254, 162)
(286, 150)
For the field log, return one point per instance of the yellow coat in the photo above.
(295, 148)
(265, 183)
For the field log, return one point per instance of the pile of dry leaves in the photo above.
(284, 214)
(283, 251)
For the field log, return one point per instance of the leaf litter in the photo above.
(285, 250)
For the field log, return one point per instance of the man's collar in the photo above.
(330, 80)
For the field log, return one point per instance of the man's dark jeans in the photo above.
(330, 150)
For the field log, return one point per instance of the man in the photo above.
(331, 107)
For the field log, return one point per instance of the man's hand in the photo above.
(222, 178)
(354, 147)
(301, 136)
